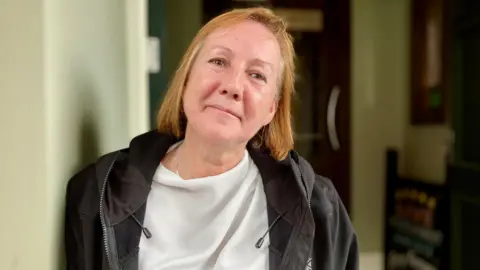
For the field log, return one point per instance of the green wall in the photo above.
(177, 21)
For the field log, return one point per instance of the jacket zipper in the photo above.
(305, 185)
(308, 196)
(102, 213)
(295, 158)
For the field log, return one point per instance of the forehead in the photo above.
(247, 39)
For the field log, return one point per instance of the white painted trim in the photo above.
(137, 74)
(371, 261)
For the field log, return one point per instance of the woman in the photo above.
(218, 185)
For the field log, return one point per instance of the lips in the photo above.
(226, 110)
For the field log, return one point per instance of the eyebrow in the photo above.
(256, 61)
(222, 48)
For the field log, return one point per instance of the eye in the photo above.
(258, 76)
(218, 62)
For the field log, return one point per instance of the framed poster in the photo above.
(429, 62)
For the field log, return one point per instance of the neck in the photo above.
(197, 158)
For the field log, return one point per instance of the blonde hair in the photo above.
(277, 136)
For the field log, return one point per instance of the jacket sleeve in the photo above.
(80, 212)
(73, 239)
(350, 261)
(335, 243)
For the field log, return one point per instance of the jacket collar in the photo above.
(137, 166)
(130, 180)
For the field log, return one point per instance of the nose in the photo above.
(233, 87)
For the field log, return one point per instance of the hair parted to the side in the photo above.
(276, 136)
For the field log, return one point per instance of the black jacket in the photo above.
(106, 202)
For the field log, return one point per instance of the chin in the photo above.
(220, 134)
(223, 136)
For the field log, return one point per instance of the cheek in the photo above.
(257, 106)
(201, 85)
(197, 91)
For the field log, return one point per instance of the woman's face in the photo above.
(233, 83)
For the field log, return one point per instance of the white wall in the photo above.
(87, 105)
(380, 79)
(64, 92)
(137, 73)
(426, 151)
(23, 189)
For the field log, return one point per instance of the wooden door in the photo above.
(321, 31)
(333, 156)
(466, 105)
(464, 169)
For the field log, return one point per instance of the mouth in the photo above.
(225, 110)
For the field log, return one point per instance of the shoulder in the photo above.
(332, 223)
(316, 185)
(324, 198)
(83, 188)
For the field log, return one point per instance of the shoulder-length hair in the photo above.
(277, 136)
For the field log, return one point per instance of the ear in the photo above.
(271, 112)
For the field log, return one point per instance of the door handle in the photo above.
(331, 116)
